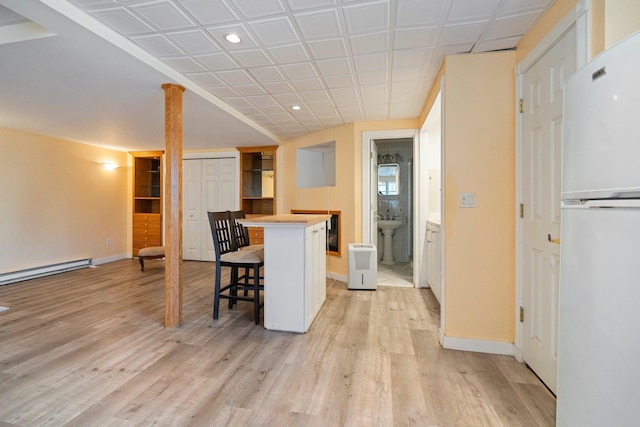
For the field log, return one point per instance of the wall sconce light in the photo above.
(109, 165)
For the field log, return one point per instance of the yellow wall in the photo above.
(346, 196)
(622, 18)
(479, 158)
(58, 202)
(545, 24)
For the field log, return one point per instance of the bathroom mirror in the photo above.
(388, 179)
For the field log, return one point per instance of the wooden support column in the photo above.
(173, 204)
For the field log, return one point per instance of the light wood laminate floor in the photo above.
(87, 348)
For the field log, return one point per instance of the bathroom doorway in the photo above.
(394, 194)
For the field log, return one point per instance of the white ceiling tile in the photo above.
(328, 48)
(476, 10)
(373, 77)
(247, 90)
(276, 87)
(209, 12)
(123, 21)
(194, 42)
(267, 75)
(324, 24)
(322, 105)
(345, 95)
(308, 84)
(407, 74)
(223, 92)
(235, 77)
(498, 44)
(206, 79)
(339, 81)
(414, 37)
(299, 71)
(461, 33)
(518, 6)
(289, 54)
(442, 51)
(376, 61)
(335, 66)
(272, 109)
(251, 58)
(316, 96)
(510, 26)
(368, 17)
(163, 16)
(403, 111)
(412, 58)
(216, 61)
(288, 98)
(376, 94)
(157, 45)
(376, 111)
(184, 65)
(404, 91)
(369, 43)
(248, 111)
(262, 100)
(275, 32)
(329, 114)
(309, 4)
(259, 8)
(219, 32)
(414, 13)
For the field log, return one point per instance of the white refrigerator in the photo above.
(599, 295)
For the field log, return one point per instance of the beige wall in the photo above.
(346, 196)
(479, 158)
(621, 18)
(58, 202)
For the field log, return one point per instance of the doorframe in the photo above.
(578, 16)
(368, 138)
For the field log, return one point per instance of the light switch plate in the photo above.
(467, 200)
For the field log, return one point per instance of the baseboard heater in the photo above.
(47, 270)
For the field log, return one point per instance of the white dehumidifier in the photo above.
(363, 266)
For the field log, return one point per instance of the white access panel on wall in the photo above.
(208, 185)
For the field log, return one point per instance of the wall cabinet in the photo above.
(434, 258)
(208, 185)
(147, 199)
(257, 180)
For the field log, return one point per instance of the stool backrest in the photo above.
(223, 239)
(240, 232)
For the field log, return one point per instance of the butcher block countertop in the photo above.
(297, 219)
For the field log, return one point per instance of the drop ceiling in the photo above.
(90, 70)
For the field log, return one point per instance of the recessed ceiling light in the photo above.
(296, 107)
(232, 38)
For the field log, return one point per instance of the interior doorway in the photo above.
(392, 148)
(394, 191)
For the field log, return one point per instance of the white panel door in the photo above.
(192, 213)
(541, 151)
(208, 185)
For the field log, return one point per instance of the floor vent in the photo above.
(47, 270)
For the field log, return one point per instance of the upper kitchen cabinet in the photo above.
(257, 180)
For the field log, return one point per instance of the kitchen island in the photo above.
(294, 269)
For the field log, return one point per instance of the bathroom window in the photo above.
(389, 179)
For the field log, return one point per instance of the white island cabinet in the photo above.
(294, 269)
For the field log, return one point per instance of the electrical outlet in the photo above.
(467, 200)
(108, 241)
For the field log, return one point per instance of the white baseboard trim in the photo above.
(98, 261)
(338, 277)
(479, 346)
(45, 270)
